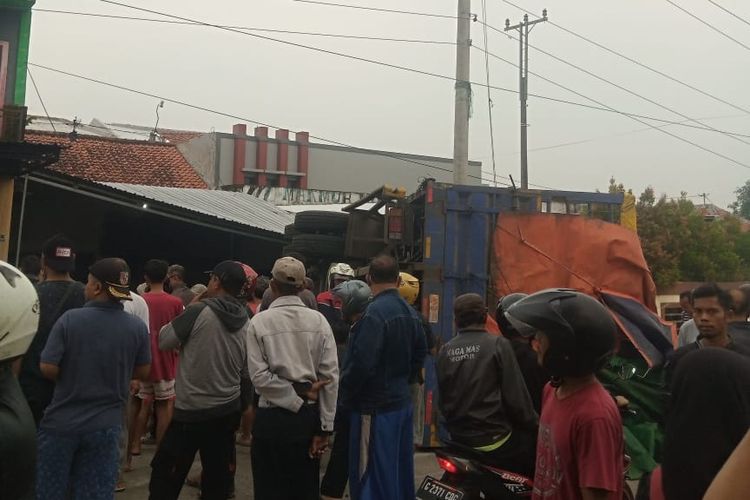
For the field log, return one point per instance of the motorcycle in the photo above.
(468, 476)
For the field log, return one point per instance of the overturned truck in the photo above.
(494, 241)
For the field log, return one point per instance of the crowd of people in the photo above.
(553, 343)
(87, 371)
(243, 359)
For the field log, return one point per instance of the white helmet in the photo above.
(341, 268)
(19, 312)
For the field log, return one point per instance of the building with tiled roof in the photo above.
(106, 159)
(711, 212)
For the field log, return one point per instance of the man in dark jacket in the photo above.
(534, 374)
(386, 349)
(58, 293)
(211, 335)
(482, 393)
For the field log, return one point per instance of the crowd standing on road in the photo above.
(87, 372)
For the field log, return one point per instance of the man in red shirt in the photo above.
(162, 309)
(580, 446)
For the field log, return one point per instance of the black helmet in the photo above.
(580, 330)
(355, 296)
(503, 305)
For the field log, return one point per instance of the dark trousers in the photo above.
(214, 439)
(518, 454)
(282, 467)
(337, 472)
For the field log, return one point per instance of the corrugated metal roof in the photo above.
(226, 205)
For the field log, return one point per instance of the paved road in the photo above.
(137, 480)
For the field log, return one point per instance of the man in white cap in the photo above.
(293, 365)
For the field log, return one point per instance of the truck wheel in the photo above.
(318, 245)
(317, 221)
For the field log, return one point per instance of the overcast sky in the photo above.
(379, 107)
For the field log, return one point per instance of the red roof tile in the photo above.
(104, 159)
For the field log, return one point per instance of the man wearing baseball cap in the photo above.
(92, 354)
(211, 336)
(58, 292)
(294, 368)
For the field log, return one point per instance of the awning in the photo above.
(221, 210)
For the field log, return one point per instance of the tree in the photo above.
(741, 207)
(679, 244)
(614, 187)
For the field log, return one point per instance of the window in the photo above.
(272, 180)
(251, 179)
(672, 312)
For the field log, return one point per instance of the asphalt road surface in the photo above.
(136, 481)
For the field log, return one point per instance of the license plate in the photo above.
(432, 489)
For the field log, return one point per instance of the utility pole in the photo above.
(463, 95)
(524, 28)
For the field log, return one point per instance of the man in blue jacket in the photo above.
(386, 349)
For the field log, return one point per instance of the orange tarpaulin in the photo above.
(537, 251)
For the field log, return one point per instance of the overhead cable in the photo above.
(709, 25)
(248, 28)
(238, 117)
(416, 71)
(639, 120)
(652, 69)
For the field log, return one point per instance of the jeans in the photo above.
(74, 467)
(214, 439)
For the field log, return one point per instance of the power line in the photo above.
(730, 12)
(706, 23)
(608, 136)
(630, 115)
(629, 91)
(238, 117)
(660, 129)
(378, 9)
(720, 155)
(248, 28)
(635, 61)
(416, 71)
(39, 96)
(571, 32)
(489, 94)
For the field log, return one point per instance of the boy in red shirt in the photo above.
(580, 447)
(162, 309)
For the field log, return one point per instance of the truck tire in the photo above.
(317, 221)
(290, 230)
(318, 245)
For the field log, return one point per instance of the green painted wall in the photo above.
(16, 94)
(22, 59)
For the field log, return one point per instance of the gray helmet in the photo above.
(355, 295)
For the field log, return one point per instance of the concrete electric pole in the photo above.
(524, 28)
(463, 95)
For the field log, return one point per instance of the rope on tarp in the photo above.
(541, 252)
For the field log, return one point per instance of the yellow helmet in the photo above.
(408, 287)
